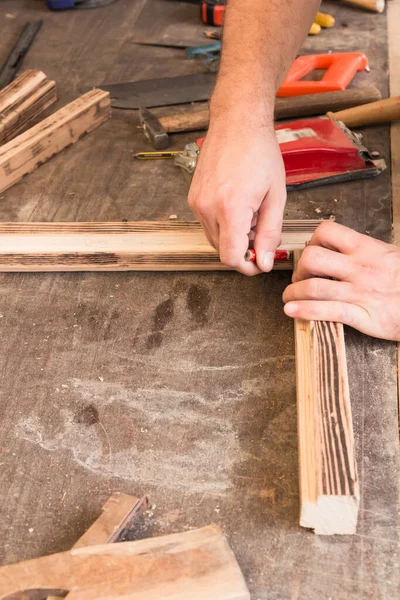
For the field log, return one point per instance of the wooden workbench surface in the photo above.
(178, 385)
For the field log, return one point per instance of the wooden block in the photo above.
(114, 512)
(195, 565)
(22, 101)
(329, 490)
(134, 246)
(29, 150)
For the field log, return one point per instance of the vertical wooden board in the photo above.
(394, 70)
(393, 12)
(329, 485)
(328, 473)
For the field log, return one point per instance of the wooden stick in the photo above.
(373, 5)
(285, 108)
(134, 246)
(393, 20)
(193, 565)
(383, 111)
(29, 150)
(22, 101)
(329, 490)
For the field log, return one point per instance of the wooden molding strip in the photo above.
(393, 20)
(22, 101)
(372, 5)
(29, 150)
(191, 565)
(329, 490)
(131, 246)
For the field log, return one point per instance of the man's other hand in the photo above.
(365, 290)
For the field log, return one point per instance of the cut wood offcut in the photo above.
(193, 565)
(329, 490)
(22, 101)
(26, 152)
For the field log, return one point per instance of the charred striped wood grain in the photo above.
(131, 246)
(329, 486)
(26, 152)
(22, 101)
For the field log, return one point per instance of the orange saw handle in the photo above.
(382, 111)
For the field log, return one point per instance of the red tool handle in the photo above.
(251, 256)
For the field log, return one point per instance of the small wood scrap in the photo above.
(118, 515)
(194, 564)
(329, 486)
(127, 246)
(29, 150)
(22, 101)
(377, 6)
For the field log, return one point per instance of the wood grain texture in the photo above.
(22, 101)
(196, 564)
(132, 246)
(329, 486)
(113, 514)
(29, 150)
(394, 68)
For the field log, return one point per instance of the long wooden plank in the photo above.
(195, 565)
(134, 246)
(393, 14)
(329, 489)
(22, 101)
(29, 150)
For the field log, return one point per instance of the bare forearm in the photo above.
(239, 188)
(261, 40)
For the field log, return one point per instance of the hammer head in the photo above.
(153, 130)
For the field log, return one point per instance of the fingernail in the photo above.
(290, 308)
(267, 261)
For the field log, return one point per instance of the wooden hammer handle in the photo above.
(190, 121)
(382, 111)
(374, 5)
(285, 108)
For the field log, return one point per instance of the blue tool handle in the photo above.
(203, 51)
(60, 4)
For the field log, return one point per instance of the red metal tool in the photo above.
(340, 70)
(315, 152)
(213, 11)
(250, 255)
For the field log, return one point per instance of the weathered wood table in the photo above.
(178, 385)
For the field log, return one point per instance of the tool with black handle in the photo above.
(14, 60)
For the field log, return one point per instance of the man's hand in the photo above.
(240, 172)
(240, 169)
(365, 293)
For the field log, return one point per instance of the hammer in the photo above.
(157, 129)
